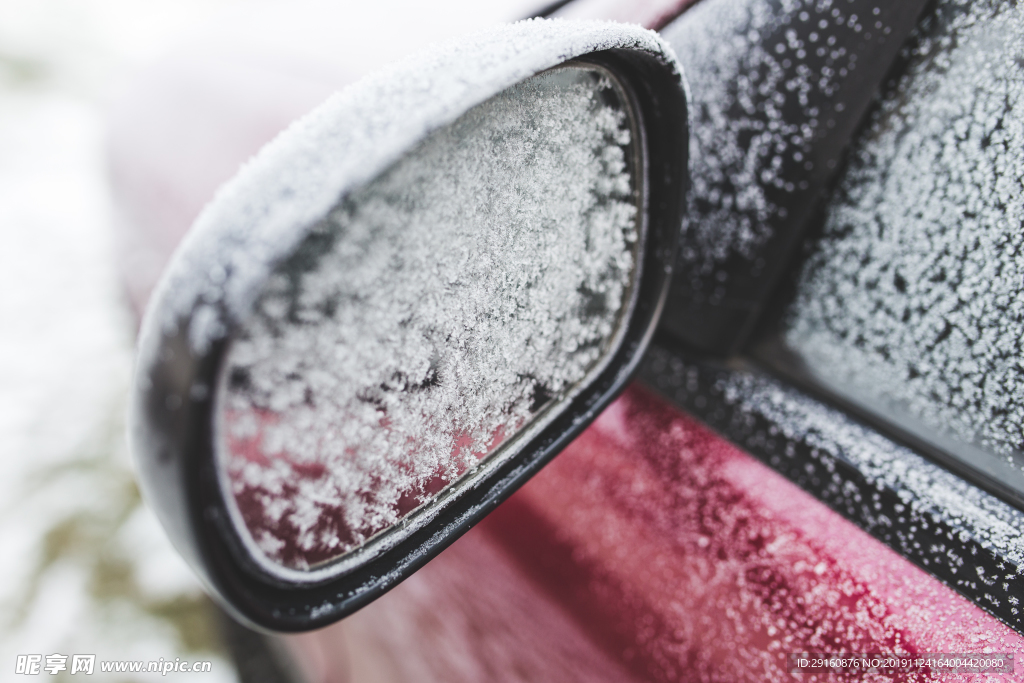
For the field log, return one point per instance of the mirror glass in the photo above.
(433, 320)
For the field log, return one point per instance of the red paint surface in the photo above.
(653, 550)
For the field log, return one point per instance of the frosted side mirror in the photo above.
(403, 307)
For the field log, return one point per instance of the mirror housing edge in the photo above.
(296, 178)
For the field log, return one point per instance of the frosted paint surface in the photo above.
(760, 96)
(914, 294)
(681, 557)
(929, 492)
(965, 537)
(431, 315)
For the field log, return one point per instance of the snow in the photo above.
(347, 142)
(930, 492)
(965, 537)
(430, 316)
(282, 196)
(65, 355)
(70, 517)
(913, 296)
(760, 96)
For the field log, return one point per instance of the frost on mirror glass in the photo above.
(914, 296)
(430, 316)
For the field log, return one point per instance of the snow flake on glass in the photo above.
(914, 296)
(430, 316)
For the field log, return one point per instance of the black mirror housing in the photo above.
(259, 220)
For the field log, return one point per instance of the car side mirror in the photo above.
(403, 307)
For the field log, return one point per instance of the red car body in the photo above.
(652, 549)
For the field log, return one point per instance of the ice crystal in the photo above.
(761, 97)
(927, 490)
(913, 296)
(301, 188)
(430, 315)
(346, 142)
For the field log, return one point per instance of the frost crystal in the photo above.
(927, 490)
(431, 315)
(761, 96)
(915, 294)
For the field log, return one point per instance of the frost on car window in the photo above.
(764, 77)
(430, 316)
(914, 295)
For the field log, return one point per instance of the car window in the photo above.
(911, 302)
(777, 91)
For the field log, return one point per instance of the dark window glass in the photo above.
(912, 302)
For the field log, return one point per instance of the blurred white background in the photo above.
(85, 568)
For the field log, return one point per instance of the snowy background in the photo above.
(85, 567)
